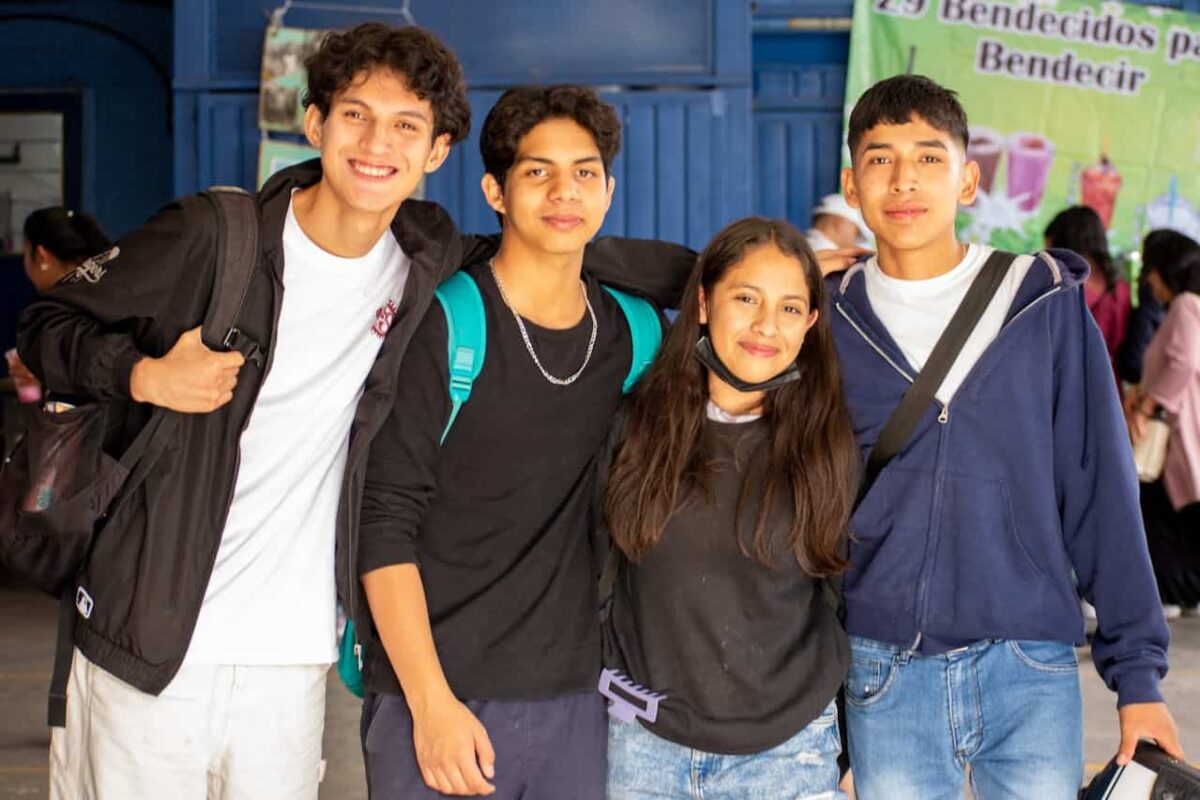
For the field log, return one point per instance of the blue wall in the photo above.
(107, 52)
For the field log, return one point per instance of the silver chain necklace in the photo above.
(529, 345)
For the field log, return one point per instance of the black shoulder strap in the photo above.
(916, 400)
(237, 259)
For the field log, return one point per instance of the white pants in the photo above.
(215, 733)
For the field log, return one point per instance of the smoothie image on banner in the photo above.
(1172, 210)
(985, 147)
(1099, 186)
(1029, 158)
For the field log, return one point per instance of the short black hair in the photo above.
(520, 110)
(430, 69)
(896, 100)
(1176, 259)
(72, 237)
(1165, 246)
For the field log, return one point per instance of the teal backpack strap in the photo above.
(466, 338)
(645, 328)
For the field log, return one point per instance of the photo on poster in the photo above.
(284, 78)
(275, 155)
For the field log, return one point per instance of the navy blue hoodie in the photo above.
(974, 529)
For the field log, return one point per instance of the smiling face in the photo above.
(555, 194)
(376, 143)
(758, 314)
(909, 180)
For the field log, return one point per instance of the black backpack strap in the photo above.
(917, 398)
(64, 652)
(237, 259)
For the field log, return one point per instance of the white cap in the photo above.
(836, 205)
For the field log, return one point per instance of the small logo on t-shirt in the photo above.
(383, 319)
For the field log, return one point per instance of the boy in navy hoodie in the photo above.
(1014, 494)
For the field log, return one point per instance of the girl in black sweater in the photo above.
(728, 499)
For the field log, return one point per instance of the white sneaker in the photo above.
(1172, 611)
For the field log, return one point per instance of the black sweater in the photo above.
(747, 655)
(497, 517)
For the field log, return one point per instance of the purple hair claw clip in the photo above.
(628, 699)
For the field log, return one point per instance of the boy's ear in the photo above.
(314, 121)
(612, 184)
(493, 192)
(970, 183)
(438, 154)
(849, 190)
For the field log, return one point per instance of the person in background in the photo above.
(1079, 228)
(57, 240)
(728, 500)
(1161, 246)
(1171, 386)
(836, 225)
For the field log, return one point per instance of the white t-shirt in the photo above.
(272, 597)
(916, 312)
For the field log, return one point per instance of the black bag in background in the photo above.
(58, 484)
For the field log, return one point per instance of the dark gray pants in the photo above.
(545, 749)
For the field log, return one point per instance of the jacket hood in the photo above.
(1054, 268)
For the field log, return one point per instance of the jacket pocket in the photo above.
(985, 577)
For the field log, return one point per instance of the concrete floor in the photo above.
(26, 652)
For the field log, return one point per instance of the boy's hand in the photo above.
(1147, 721)
(190, 378)
(453, 749)
(840, 259)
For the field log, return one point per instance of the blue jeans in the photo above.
(643, 765)
(1010, 709)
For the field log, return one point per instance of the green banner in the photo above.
(1070, 102)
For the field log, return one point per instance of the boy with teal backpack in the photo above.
(475, 551)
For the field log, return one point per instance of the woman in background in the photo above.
(57, 240)
(1080, 229)
(1171, 387)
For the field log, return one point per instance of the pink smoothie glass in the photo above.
(1029, 158)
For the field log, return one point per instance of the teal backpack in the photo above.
(466, 326)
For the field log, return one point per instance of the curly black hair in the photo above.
(519, 110)
(429, 67)
(895, 100)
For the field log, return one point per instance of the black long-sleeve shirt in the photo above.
(497, 516)
(747, 655)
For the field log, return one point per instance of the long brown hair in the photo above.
(811, 465)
